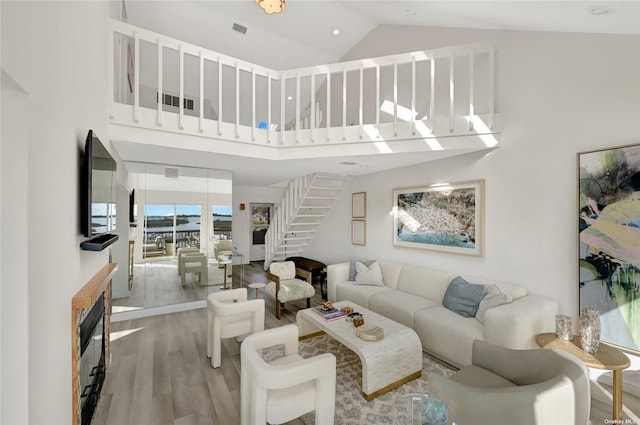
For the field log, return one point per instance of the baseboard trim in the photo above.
(630, 381)
(157, 311)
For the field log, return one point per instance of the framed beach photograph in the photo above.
(445, 217)
(358, 232)
(359, 205)
(609, 241)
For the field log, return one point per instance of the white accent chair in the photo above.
(224, 247)
(194, 263)
(231, 315)
(288, 387)
(184, 251)
(524, 387)
(284, 287)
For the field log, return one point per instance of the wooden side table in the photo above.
(606, 358)
(257, 287)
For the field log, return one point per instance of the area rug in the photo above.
(351, 407)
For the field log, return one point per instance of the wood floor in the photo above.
(156, 283)
(160, 374)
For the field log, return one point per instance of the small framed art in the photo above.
(358, 232)
(359, 205)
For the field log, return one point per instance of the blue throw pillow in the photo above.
(463, 297)
(352, 267)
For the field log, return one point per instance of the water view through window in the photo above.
(170, 227)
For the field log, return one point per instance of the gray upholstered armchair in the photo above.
(524, 387)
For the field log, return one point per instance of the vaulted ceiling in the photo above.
(302, 35)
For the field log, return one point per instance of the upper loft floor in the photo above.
(435, 100)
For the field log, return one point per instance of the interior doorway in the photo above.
(260, 219)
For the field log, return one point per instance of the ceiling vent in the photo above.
(239, 28)
(171, 173)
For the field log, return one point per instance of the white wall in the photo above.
(14, 272)
(197, 24)
(56, 52)
(559, 94)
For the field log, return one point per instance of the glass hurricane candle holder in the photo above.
(590, 329)
(564, 327)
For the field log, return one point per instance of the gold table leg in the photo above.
(617, 395)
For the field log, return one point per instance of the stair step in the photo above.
(320, 191)
(325, 188)
(331, 177)
(316, 206)
(287, 253)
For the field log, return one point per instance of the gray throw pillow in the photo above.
(463, 297)
(495, 297)
(352, 267)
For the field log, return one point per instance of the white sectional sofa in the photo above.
(413, 296)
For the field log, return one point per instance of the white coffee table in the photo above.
(386, 364)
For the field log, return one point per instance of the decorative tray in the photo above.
(370, 332)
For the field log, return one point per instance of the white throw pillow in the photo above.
(494, 297)
(371, 275)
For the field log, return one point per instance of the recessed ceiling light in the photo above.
(335, 31)
(289, 97)
(410, 12)
(601, 10)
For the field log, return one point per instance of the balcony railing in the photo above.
(165, 84)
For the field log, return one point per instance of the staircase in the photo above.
(306, 201)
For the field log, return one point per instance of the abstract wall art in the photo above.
(609, 241)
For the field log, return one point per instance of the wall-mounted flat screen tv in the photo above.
(98, 191)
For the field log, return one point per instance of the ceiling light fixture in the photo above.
(271, 6)
(336, 31)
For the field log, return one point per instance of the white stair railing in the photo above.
(166, 84)
(301, 211)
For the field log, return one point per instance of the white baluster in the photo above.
(201, 101)
(136, 78)
(253, 104)
(219, 94)
(160, 91)
(344, 104)
(237, 101)
(181, 105)
(471, 89)
(361, 106)
(451, 89)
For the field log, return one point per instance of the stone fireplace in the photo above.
(90, 320)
